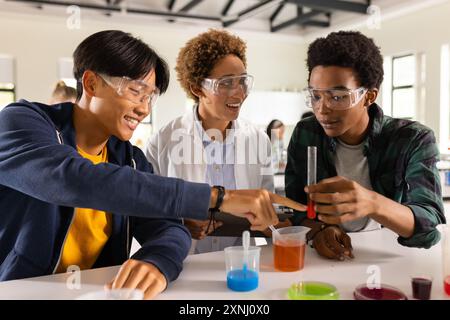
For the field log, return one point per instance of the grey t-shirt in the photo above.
(351, 163)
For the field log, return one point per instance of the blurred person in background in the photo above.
(275, 130)
(63, 93)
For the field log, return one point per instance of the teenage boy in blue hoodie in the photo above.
(74, 191)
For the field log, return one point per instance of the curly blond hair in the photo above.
(200, 54)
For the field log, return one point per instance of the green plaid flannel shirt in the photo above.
(402, 156)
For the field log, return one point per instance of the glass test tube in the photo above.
(312, 165)
(312, 178)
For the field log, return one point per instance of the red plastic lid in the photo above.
(383, 292)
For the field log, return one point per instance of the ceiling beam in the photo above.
(66, 4)
(119, 9)
(249, 10)
(171, 4)
(316, 23)
(113, 2)
(277, 11)
(297, 20)
(190, 5)
(329, 5)
(227, 7)
(175, 14)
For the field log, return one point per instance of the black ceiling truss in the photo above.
(116, 8)
(315, 13)
(302, 18)
(171, 4)
(113, 2)
(318, 8)
(274, 15)
(110, 3)
(227, 7)
(337, 5)
(190, 5)
(246, 12)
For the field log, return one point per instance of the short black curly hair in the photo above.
(348, 49)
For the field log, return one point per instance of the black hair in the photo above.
(117, 54)
(348, 49)
(307, 114)
(274, 124)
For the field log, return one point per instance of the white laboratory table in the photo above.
(204, 275)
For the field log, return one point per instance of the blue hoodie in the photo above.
(43, 178)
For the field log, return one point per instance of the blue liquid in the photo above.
(242, 280)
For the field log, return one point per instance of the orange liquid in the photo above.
(288, 256)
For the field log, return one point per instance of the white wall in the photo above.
(38, 41)
(421, 31)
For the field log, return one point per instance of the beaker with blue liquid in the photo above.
(242, 267)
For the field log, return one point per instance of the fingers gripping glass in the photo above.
(227, 86)
(337, 99)
(135, 91)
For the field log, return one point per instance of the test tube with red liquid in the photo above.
(311, 176)
(445, 243)
(447, 285)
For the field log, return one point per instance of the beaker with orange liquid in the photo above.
(289, 248)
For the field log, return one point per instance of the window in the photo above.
(7, 87)
(403, 95)
(7, 94)
(444, 132)
(65, 72)
(399, 88)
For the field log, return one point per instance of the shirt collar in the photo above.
(205, 138)
(375, 128)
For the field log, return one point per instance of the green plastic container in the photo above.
(312, 290)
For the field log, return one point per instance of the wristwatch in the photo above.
(213, 211)
(220, 195)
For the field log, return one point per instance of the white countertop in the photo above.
(204, 275)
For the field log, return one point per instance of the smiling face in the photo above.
(221, 107)
(349, 125)
(117, 115)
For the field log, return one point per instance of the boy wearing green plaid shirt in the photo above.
(372, 170)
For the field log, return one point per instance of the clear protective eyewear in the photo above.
(227, 86)
(136, 91)
(336, 99)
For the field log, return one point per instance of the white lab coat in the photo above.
(163, 151)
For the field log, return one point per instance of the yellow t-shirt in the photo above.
(89, 231)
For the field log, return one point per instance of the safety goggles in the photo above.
(227, 86)
(337, 99)
(136, 91)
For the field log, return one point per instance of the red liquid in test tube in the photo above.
(310, 211)
(447, 285)
(312, 177)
